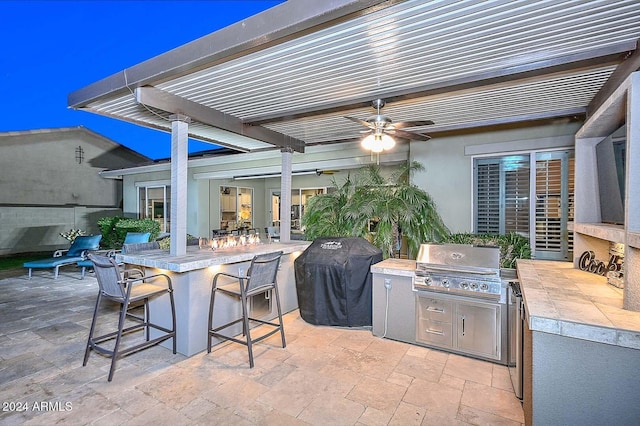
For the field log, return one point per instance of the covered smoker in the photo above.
(333, 281)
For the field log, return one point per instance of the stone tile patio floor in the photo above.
(325, 375)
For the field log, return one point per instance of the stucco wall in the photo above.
(448, 163)
(42, 168)
(203, 199)
(447, 176)
(50, 183)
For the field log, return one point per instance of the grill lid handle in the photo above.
(459, 269)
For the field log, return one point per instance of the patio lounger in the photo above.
(130, 238)
(76, 253)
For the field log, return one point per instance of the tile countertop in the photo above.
(197, 258)
(393, 266)
(566, 301)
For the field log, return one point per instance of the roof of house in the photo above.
(288, 76)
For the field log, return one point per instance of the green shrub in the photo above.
(115, 229)
(512, 246)
(165, 242)
(107, 227)
(138, 225)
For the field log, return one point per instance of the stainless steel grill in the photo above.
(460, 269)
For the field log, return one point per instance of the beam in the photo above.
(630, 64)
(156, 98)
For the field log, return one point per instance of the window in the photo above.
(236, 208)
(154, 202)
(299, 200)
(502, 194)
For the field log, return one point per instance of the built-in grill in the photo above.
(467, 270)
(461, 300)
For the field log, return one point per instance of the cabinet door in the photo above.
(479, 329)
(394, 308)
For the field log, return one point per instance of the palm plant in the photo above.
(392, 205)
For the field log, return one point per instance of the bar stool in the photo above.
(261, 277)
(127, 291)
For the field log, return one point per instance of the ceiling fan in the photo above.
(381, 127)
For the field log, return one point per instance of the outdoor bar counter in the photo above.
(581, 349)
(192, 276)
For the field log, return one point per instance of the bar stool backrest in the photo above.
(263, 271)
(138, 247)
(108, 275)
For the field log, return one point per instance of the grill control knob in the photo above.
(427, 280)
(474, 286)
(464, 285)
(484, 287)
(445, 283)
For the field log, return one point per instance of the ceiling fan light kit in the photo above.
(381, 127)
(378, 142)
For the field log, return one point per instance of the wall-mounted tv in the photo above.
(611, 157)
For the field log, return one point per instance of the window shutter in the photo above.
(502, 195)
(516, 195)
(554, 204)
(487, 198)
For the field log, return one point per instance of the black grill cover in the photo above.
(333, 281)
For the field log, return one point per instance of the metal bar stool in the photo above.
(127, 291)
(261, 277)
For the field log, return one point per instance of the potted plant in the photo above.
(380, 209)
(72, 235)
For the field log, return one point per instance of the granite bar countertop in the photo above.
(393, 266)
(562, 300)
(197, 258)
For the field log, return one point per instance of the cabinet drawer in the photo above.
(435, 309)
(434, 332)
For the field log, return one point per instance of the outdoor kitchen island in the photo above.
(581, 349)
(452, 298)
(192, 276)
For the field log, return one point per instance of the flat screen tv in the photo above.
(611, 156)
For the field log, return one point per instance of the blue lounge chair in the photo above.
(130, 238)
(76, 253)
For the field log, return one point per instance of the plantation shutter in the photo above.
(554, 205)
(502, 195)
(516, 200)
(487, 198)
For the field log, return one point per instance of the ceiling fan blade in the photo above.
(364, 123)
(403, 124)
(409, 135)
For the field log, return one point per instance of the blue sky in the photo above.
(52, 48)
